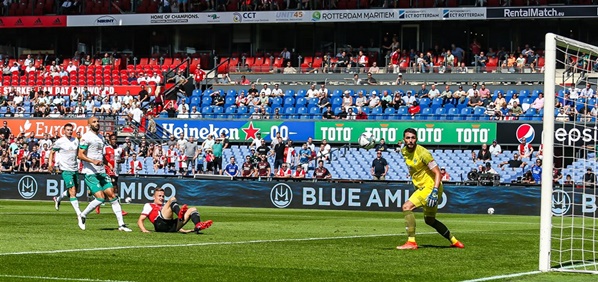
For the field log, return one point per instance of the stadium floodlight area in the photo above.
(568, 225)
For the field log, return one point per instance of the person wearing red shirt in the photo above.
(299, 173)
(161, 215)
(199, 76)
(135, 165)
(525, 149)
(244, 81)
(361, 115)
(284, 171)
(114, 157)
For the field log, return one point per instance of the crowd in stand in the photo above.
(179, 156)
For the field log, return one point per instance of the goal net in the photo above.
(569, 224)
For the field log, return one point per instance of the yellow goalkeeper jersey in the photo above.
(420, 163)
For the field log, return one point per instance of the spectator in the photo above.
(475, 100)
(482, 155)
(231, 169)
(538, 104)
(283, 172)
(414, 109)
(289, 69)
(569, 180)
(321, 172)
(400, 80)
(347, 100)
(382, 146)
(374, 100)
(361, 115)
(589, 178)
(556, 176)
(516, 162)
(217, 150)
(445, 175)
(244, 81)
(525, 149)
(489, 169)
(361, 100)
(537, 171)
(409, 99)
(371, 80)
(299, 172)
(379, 167)
(304, 156)
(495, 149)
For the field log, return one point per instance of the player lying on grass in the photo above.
(161, 215)
(427, 181)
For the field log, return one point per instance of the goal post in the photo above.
(568, 213)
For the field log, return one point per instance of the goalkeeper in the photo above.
(426, 178)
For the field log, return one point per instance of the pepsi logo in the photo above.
(526, 132)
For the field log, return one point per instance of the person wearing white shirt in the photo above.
(587, 92)
(514, 99)
(29, 60)
(143, 78)
(54, 113)
(155, 78)
(361, 100)
(17, 100)
(183, 107)
(128, 99)
(58, 100)
(409, 99)
(312, 92)
(71, 67)
(266, 91)
(495, 148)
(137, 113)
(277, 92)
(350, 114)
(323, 90)
(472, 90)
(30, 68)
(194, 113)
(15, 68)
(433, 93)
(75, 94)
(116, 106)
(183, 114)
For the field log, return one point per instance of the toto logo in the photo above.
(281, 195)
(561, 202)
(27, 187)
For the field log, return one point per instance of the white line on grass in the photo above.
(58, 278)
(503, 276)
(202, 244)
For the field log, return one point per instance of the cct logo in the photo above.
(239, 17)
(281, 195)
(525, 131)
(27, 187)
(561, 202)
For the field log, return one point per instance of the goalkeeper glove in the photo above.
(433, 198)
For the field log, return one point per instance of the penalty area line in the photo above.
(200, 244)
(504, 276)
(58, 278)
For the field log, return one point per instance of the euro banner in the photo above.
(33, 21)
(40, 126)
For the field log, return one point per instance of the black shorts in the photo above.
(166, 225)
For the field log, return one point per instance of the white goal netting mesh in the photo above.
(574, 241)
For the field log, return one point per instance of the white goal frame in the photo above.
(552, 43)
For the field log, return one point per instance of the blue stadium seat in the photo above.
(218, 110)
(301, 93)
(302, 110)
(453, 114)
(231, 93)
(196, 93)
(437, 101)
(206, 110)
(289, 93)
(337, 93)
(242, 110)
(440, 113)
(337, 101)
(289, 101)
(424, 102)
(231, 110)
(523, 93)
(206, 101)
(314, 112)
(276, 102)
(337, 110)
(301, 101)
(376, 111)
(207, 92)
(426, 114)
(312, 102)
(229, 101)
(195, 101)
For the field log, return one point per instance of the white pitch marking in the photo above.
(504, 276)
(58, 278)
(202, 244)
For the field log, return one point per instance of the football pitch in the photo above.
(248, 244)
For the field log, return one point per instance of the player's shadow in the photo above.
(420, 247)
(108, 229)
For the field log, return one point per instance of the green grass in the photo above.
(247, 244)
